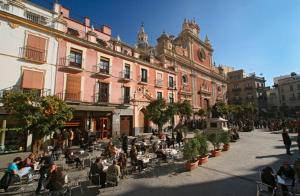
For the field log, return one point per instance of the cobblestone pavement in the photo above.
(232, 174)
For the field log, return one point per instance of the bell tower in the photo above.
(142, 37)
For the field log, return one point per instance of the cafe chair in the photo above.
(91, 177)
(263, 189)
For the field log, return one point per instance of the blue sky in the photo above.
(261, 36)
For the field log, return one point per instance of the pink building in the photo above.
(109, 83)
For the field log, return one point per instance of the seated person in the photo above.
(170, 142)
(56, 179)
(108, 149)
(97, 173)
(134, 160)
(143, 146)
(56, 152)
(267, 177)
(29, 161)
(286, 172)
(71, 158)
(113, 151)
(11, 174)
(161, 153)
(122, 162)
(113, 174)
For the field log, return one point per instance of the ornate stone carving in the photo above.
(13, 25)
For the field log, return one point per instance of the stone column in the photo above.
(3, 134)
(116, 125)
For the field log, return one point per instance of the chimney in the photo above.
(106, 29)
(56, 8)
(87, 21)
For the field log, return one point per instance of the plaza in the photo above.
(234, 173)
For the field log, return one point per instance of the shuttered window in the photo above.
(35, 48)
(32, 79)
(73, 87)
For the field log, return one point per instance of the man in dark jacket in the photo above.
(125, 144)
(286, 172)
(286, 140)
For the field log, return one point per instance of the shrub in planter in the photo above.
(215, 140)
(225, 139)
(190, 153)
(203, 149)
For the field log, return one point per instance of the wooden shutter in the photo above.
(35, 48)
(33, 79)
(73, 87)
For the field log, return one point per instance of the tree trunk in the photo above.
(36, 146)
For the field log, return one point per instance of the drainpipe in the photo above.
(3, 134)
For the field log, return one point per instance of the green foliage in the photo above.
(201, 112)
(220, 109)
(184, 109)
(40, 115)
(203, 145)
(159, 112)
(225, 137)
(190, 150)
(184, 130)
(215, 140)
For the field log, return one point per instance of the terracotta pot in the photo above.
(226, 147)
(215, 153)
(191, 165)
(202, 160)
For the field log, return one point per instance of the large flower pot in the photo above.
(215, 153)
(226, 147)
(191, 165)
(202, 160)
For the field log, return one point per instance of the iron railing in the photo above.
(70, 96)
(69, 61)
(33, 54)
(36, 18)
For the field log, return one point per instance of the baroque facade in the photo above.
(107, 81)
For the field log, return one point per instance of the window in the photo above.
(126, 95)
(103, 92)
(127, 71)
(184, 79)
(159, 95)
(144, 77)
(159, 80)
(104, 65)
(75, 58)
(171, 98)
(35, 48)
(36, 18)
(291, 88)
(32, 80)
(171, 82)
(73, 87)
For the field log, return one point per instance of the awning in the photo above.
(33, 79)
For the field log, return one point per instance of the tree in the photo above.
(39, 115)
(159, 112)
(184, 109)
(220, 109)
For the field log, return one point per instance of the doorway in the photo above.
(126, 125)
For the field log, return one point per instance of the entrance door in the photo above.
(104, 126)
(126, 125)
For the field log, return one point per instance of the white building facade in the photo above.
(28, 55)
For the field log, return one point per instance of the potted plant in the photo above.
(225, 139)
(190, 153)
(203, 149)
(214, 139)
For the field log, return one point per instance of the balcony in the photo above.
(36, 18)
(68, 64)
(125, 100)
(69, 97)
(33, 54)
(125, 76)
(186, 90)
(236, 89)
(142, 80)
(101, 71)
(204, 91)
(101, 98)
(159, 83)
(32, 92)
(248, 87)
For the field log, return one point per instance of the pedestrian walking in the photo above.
(65, 137)
(71, 137)
(286, 140)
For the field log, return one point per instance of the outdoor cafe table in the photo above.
(171, 151)
(146, 157)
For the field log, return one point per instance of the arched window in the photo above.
(201, 54)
